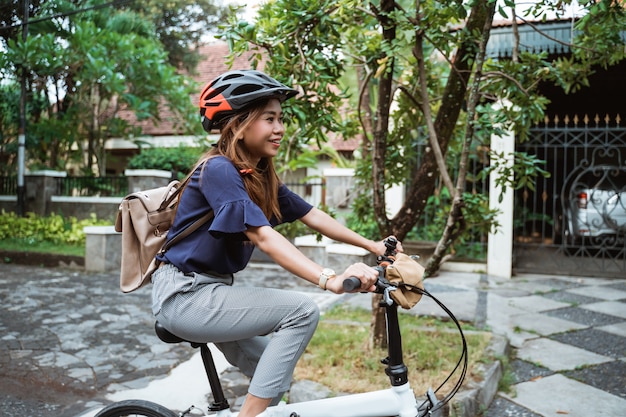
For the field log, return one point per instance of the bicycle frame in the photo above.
(396, 401)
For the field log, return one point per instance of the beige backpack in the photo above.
(144, 218)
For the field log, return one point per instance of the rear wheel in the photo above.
(136, 408)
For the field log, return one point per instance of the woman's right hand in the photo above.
(365, 273)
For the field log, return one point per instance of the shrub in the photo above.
(34, 229)
(179, 160)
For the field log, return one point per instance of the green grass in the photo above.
(30, 245)
(339, 356)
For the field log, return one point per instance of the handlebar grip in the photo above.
(351, 284)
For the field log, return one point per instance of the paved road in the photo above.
(70, 341)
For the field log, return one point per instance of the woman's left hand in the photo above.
(380, 247)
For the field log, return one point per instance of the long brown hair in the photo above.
(261, 181)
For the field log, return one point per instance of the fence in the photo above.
(557, 233)
(8, 185)
(76, 186)
(92, 186)
(472, 245)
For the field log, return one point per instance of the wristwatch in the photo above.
(325, 275)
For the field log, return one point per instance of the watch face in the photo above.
(328, 272)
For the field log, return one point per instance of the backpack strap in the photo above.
(187, 231)
(174, 195)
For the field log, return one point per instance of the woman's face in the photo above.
(262, 137)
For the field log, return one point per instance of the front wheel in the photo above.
(138, 408)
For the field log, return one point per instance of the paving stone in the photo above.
(621, 286)
(501, 407)
(535, 303)
(526, 371)
(600, 292)
(557, 395)
(558, 356)
(595, 340)
(558, 283)
(612, 308)
(609, 377)
(583, 316)
(618, 328)
(533, 285)
(569, 297)
(543, 324)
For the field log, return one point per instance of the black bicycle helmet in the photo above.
(235, 90)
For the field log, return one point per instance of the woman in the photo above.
(192, 292)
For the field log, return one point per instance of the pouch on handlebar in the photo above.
(407, 275)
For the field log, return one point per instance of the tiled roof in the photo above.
(340, 144)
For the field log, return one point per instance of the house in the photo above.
(582, 133)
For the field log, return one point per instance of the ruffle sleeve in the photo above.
(236, 217)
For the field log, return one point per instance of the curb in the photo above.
(42, 259)
(478, 394)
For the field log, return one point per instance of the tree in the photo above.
(181, 25)
(420, 70)
(95, 67)
(9, 124)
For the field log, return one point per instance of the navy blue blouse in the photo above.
(221, 246)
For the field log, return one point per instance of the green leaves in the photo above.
(33, 229)
(178, 160)
(518, 170)
(101, 63)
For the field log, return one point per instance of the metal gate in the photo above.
(574, 222)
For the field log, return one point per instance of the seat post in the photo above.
(219, 400)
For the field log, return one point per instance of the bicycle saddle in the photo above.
(165, 335)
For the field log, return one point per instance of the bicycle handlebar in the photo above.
(350, 284)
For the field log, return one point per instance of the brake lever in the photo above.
(386, 295)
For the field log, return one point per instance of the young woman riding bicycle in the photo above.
(262, 331)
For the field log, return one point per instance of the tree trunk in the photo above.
(381, 128)
(452, 102)
(456, 223)
(378, 327)
(381, 122)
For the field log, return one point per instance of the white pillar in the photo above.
(500, 243)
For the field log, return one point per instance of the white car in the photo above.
(595, 204)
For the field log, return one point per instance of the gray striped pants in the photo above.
(262, 331)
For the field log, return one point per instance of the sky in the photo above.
(252, 5)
